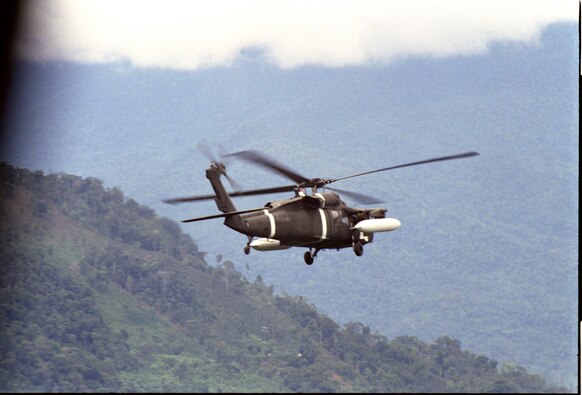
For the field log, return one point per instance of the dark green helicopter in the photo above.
(317, 221)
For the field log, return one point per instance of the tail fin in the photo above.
(223, 201)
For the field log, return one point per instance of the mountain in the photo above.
(487, 251)
(98, 293)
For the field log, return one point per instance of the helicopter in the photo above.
(317, 221)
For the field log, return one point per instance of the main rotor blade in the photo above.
(269, 163)
(262, 191)
(229, 214)
(358, 197)
(442, 158)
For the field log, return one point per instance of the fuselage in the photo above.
(317, 221)
(300, 221)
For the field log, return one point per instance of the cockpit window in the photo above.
(338, 218)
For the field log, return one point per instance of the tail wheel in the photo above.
(358, 248)
(308, 257)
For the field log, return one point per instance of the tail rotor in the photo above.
(205, 150)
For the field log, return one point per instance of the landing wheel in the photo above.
(308, 257)
(358, 248)
(248, 246)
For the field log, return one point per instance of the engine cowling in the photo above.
(321, 200)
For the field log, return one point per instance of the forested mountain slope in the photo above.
(98, 293)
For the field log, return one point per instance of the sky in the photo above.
(190, 35)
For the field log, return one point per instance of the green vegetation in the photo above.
(100, 294)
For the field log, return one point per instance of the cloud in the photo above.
(194, 34)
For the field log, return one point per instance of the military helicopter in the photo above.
(317, 221)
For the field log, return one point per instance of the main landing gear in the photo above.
(358, 248)
(247, 248)
(357, 244)
(310, 256)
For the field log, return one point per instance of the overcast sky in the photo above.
(195, 34)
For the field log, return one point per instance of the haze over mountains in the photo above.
(487, 250)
